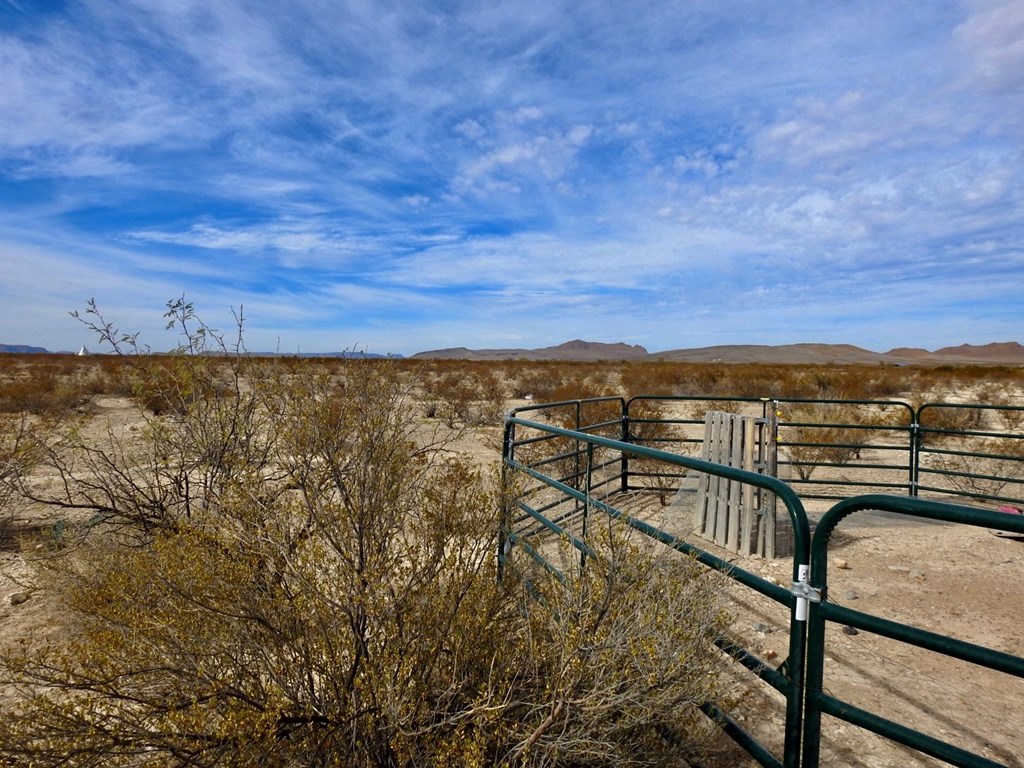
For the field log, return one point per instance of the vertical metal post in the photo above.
(507, 444)
(795, 665)
(916, 438)
(586, 504)
(768, 464)
(624, 437)
(815, 674)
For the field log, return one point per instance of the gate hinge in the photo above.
(806, 591)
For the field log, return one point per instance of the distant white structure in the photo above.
(83, 351)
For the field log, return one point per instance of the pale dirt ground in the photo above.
(951, 579)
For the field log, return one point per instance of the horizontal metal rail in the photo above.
(799, 450)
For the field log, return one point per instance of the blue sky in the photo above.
(404, 176)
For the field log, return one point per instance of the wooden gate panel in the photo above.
(735, 515)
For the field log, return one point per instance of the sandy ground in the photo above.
(964, 582)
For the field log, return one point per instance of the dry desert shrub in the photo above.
(942, 423)
(960, 377)
(287, 569)
(38, 389)
(548, 382)
(52, 384)
(653, 378)
(1012, 418)
(854, 382)
(16, 460)
(826, 434)
(982, 467)
(648, 426)
(472, 395)
(448, 396)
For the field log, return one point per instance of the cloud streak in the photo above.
(413, 175)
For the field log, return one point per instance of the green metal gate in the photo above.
(818, 702)
(585, 470)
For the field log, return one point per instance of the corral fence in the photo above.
(826, 449)
(574, 460)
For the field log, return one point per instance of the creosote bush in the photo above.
(16, 458)
(648, 427)
(461, 393)
(978, 466)
(831, 433)
(285, 568)
(55, 384)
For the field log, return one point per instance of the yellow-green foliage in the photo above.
(291, 570)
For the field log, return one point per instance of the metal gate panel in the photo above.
(818, 702)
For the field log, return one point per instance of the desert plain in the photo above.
(957, 580)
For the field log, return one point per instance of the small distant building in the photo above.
(83, 351)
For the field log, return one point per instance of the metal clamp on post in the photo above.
(803, 592)
(806, 591)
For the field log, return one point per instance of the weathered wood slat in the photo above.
(747, 517)
(727, 510)
(737, 458)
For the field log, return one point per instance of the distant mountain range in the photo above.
(21, 349)
(1001, 353)
(570, 350)
(1004, 353)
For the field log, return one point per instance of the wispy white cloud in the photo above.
(992, 38)
(425, 176)
(277, 237)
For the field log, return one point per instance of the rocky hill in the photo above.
(1002, 353)
(571, 350)
(21, 349)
